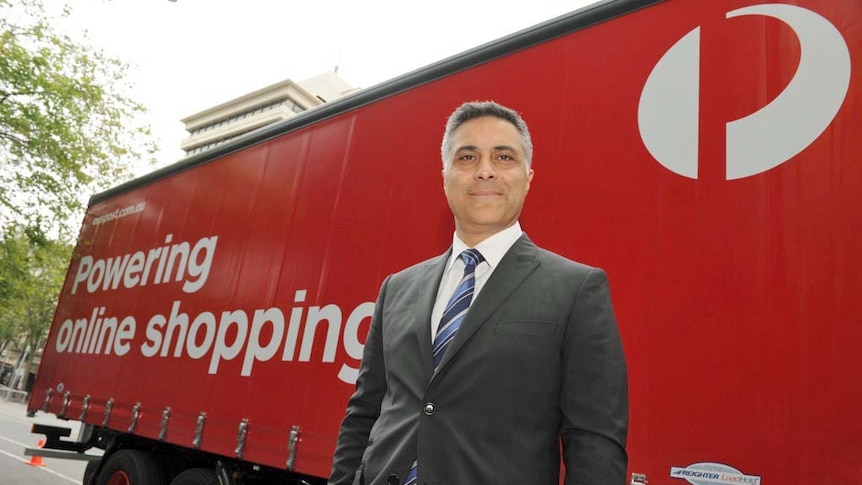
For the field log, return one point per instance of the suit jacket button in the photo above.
(392, 480)
(428, 409)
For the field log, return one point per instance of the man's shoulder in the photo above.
(419, 268)
(554, 261)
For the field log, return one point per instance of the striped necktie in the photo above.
(458, 304)
(453, 315)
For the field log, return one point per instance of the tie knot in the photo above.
(471, 257)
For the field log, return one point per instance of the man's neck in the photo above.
(473, 239)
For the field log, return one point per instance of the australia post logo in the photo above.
(669, 105)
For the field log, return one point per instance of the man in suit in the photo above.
(480, 363)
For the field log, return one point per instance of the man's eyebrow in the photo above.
(496, 148)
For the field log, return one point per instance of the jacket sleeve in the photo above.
(594, 400)
(363, 408)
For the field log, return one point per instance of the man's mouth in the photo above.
(485, 193)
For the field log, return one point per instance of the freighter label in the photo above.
(713, 473)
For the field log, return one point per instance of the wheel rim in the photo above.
(119, 477)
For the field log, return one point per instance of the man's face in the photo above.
(487, 179)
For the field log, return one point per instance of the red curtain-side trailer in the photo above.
(704, 153)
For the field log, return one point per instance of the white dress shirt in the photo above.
(493, 249)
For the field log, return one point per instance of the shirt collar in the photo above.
(492, 248)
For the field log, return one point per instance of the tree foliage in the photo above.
(32, 269)
(67, 128)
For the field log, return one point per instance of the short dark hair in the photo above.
(479, 109)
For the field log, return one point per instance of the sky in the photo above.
(189, 55)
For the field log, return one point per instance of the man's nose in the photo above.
(485, 169)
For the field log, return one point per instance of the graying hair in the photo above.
(478, 109)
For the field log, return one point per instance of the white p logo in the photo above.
(669, 104)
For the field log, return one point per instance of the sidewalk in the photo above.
(15, 410)
(9, 394)
(18, 411)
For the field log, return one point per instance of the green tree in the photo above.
(67, 127)
(32, 269)
(12, 273)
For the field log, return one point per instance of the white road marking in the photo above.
(25, 445)
(10, 455)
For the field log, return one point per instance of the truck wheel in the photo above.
(132, 467)
(196, 476)
(89, 473)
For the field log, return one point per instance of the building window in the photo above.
(285, 101)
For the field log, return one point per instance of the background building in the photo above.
(220, 124)
(16, 376)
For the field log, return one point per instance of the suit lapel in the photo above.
(429, 282)
(514, 268)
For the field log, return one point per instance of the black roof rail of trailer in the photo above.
(565, 24)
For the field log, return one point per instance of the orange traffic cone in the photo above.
(37, 460)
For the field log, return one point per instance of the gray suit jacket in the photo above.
(536, 362)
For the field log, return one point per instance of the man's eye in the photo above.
(466, 157)
(505, 157)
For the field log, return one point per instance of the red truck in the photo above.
(706, 154)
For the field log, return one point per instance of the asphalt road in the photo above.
(15, 436)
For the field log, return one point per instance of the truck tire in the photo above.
(196, 476)
(89, 473)
(132, 467)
